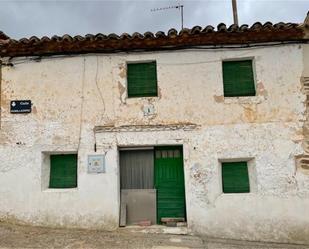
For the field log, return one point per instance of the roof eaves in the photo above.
(197, 36)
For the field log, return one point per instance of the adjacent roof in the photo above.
(186, 38)
(3, 36)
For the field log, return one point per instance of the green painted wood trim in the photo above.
(238, 78)
(169, 182)
(142, 79)
(63, 171)
(235, 177)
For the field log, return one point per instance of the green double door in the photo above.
(169, 182)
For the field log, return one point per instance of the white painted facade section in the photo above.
(72, 95)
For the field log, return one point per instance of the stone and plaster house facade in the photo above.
(80, 105)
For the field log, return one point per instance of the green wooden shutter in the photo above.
(142, 79)
(238, 79)
(63, 171)
(235, 178)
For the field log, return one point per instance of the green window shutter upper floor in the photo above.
(238, 79)
(235, 178)
(142, 79)
(63, 171)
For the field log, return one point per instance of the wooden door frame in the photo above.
(152, 146)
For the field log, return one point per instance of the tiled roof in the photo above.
(3, 36)
(197, 36)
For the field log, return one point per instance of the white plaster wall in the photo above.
(72, 95)
(275, 211)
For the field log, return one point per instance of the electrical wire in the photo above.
(103, 102)
(82, 104)
(98, 88)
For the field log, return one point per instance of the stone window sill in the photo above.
(244, 100)
(60, 190)
(237, 194)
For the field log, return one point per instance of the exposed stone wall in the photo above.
(82, 100)
(303, 160)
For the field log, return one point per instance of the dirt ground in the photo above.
(17, 236)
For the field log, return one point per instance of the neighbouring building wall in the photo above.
(72, 95)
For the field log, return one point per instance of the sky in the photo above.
(47, 18)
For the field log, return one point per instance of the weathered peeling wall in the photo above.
(303, 160)
(73, 95)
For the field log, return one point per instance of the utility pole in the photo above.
(235, 15)
(180, 7)
(181, 11)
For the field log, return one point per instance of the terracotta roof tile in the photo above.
(222, 27)
(149, 35)
(195, 30)
(160, 34)
(137, 35)
(243, 28)
(197, 36)
(233, 28)
(208, 29)
(3, 36)
(45, 39)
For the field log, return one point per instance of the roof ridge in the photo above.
(221, 27)
(196, 36)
